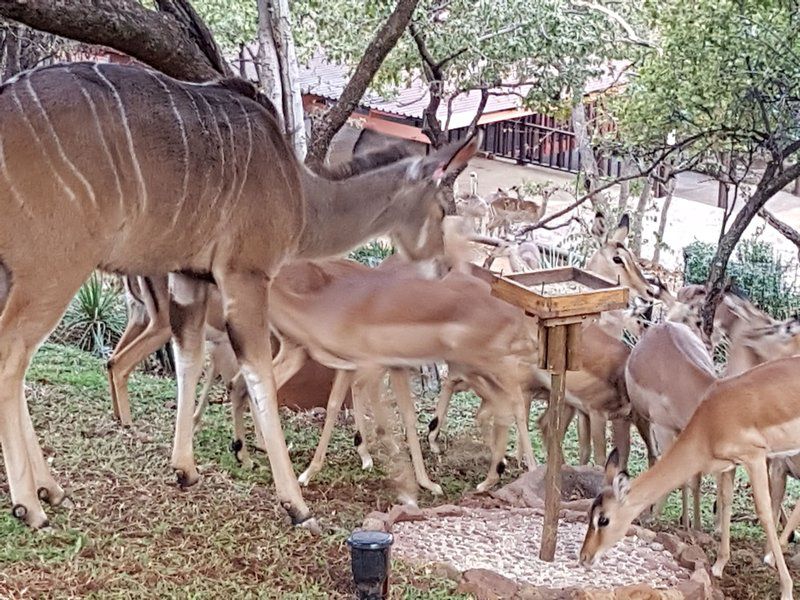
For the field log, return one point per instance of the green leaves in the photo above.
(232, 22)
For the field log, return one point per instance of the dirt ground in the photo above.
(135, 534)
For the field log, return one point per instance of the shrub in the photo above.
(372, 254)
(755, 269)
(96, 317)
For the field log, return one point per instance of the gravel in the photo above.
(507, 542)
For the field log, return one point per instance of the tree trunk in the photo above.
(625, 186)
(267, 69)
(326, 126)
(662, 223)
(638, 218)
(769, 185)
(589, 168)
(289, 72)
(173, 39)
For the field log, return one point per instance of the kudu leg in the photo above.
(246, 297)
(759, 481)
(28, 315)
(187, 316)
(405, 404)
(724, 505)
(438, 422)
(202, 404)
(341, 384)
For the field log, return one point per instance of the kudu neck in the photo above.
(341, 215)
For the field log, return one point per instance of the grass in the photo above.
(134, 534)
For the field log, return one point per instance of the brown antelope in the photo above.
(471, 206)
(741, 420)
(125, 169)
(148, 299)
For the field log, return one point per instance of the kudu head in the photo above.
(419, 235)
(615, 262)
(610, 514)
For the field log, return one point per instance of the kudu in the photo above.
(740, 420)
(121, 168)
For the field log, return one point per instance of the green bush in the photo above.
(755, 269)
(96, 317)
(371, 254)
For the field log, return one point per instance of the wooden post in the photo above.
(557, 365)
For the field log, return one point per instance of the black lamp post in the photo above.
(370, 553)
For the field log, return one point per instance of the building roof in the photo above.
(321, 78)
(328, 80)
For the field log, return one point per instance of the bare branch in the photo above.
(633, 37)
(790, 233)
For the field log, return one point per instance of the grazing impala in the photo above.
(741, 420)
(125, 169)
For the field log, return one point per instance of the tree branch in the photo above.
(790, 233)
(614, 16)
(163, 39)
(327, 125)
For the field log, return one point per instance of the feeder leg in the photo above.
(555, 459)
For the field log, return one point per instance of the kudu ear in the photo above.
(446, 160)
(621, 232)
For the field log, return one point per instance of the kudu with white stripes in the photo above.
(124, 169)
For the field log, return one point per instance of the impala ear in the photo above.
(621, 485)
(612, 466)
(453, 157)
(621, 232)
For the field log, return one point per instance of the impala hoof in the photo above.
(305, 477)
(717, 569)
(186, 480)
(67, 503)
(366, 463)
(435, 489)
(44, 494)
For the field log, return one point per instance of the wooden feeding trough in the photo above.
(561, 300)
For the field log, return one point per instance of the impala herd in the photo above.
(192, 194)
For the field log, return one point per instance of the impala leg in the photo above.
(405, 404)
(696, 491)
(643, 427)
(499, 442)
(239, 401)
(442, 404)
(246, 298)
(791, 524)
(357, 393)
(522, 407)
(778, 471)
(724, 505)
(597, 423)
(584, 439)
(202, 405)
(136, 325)
(187, 317)
(759, 481)
(341, 384)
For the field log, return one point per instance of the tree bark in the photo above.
(625, 186)
(662, 223)
(638, 218)
(790, 233)
(163, 39)
(266, 61)
(291, 101)
(326, 126)
(769, 185)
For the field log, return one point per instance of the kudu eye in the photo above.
(602, 521)
(617, 260)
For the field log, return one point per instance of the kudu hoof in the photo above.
(186, 480)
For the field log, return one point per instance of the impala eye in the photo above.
(602, 521)
(617, 260)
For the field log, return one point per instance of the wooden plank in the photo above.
(552, 478)
(593, 280)
(574, 346)
(557, 349)
(533, 278)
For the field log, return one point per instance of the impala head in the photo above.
(419, 235)
(615, 262)
(610, 514)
